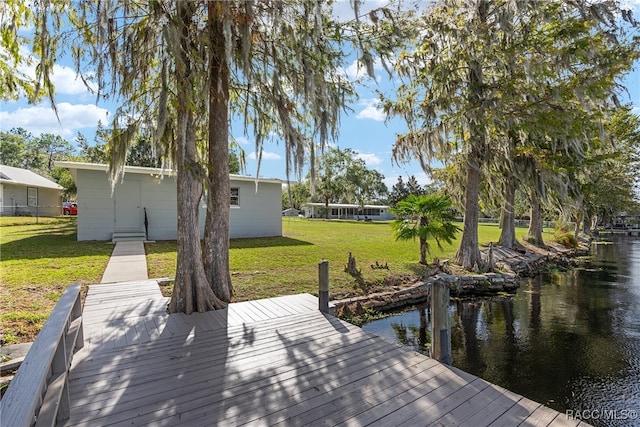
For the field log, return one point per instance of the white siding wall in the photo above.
(50, 202)
(159, 197)
(13, 195)
(95, 205)
(259, 214)
(15, 201)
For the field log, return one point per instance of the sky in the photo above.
(364, 128)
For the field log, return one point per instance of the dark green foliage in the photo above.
(424, 217)
(342, 177)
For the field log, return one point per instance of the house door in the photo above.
(128, 206)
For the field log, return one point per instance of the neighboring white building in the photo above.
(25, 193)
(290, 212)
(347, 211)
(121, 215)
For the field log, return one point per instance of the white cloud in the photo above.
(422, 178)
(390, 181)
(42, 119)
(67, 82)
(343, 10)
(242, 140)
(372, 111)
(64, 78)
(266, 155)
(631, 5)
(371, 159)
(357, 71)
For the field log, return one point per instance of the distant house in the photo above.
(290, 212)
(147, 193)
(25, 193)
(347, 211)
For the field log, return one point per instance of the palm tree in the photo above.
(424, 217)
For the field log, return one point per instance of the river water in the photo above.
(570, 340)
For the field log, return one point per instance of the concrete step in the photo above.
(128, 236)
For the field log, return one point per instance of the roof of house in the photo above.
(17, 176)
(153, 171)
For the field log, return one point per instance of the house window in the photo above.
(32, 196)
(235, 196)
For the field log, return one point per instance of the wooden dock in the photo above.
(633, 232)
(277, 361)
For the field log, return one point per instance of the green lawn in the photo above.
(38, 260)
(269, 267)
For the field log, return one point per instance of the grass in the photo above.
(268, 267)
(38, 260)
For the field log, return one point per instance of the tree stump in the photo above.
(351, 267)
(491, 266)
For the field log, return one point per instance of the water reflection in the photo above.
(570, 340)
(415, 336)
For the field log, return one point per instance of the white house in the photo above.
(347, 211)
(255, 211)
(291, 212)
(25, 193)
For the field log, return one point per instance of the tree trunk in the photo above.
(216, 230)
(468, 255)
(423, 251)
(586, 225)
(507, 216)
(424, 246)
(535, 222)
(577, 225)
(192, 291)
(594, 223)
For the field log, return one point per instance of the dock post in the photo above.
(440, 323)
(323, 286)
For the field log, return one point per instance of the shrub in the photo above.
(564, 235)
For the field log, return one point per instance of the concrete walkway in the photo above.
(128, 262)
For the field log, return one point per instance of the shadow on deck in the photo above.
(277, 361)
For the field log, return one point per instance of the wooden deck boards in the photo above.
(268, 362)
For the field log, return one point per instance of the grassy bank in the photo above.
(38, 260)
(287, 265)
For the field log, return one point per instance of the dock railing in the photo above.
(39, 393)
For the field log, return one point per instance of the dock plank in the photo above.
(491, 412)
(516, 414)
(336, 408)
(273, 307)
(277, 361)
(186, 408)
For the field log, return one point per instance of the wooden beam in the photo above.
(21, 404)
(323, 286)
